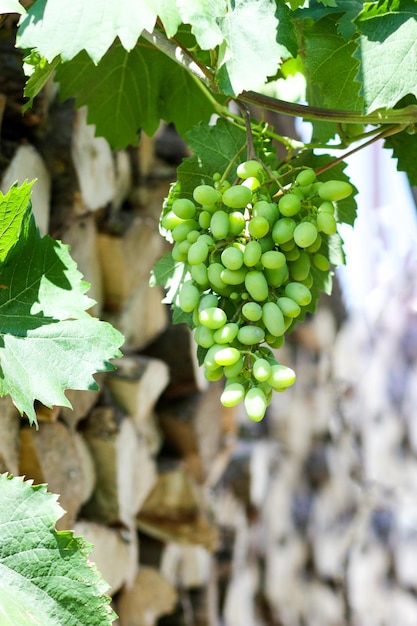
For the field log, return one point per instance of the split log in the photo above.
(9, 436)
(125, 471)
(136, 385)
(49, 455)
(88, 469)
(142, 319)
(127, 259)
(150, 597)
(115, 552)
(27, 164)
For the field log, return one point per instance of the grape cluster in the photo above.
(252, 259)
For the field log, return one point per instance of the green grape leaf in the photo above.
(48, 340)
(14, 217)
(204, 16)
(346, 10)
(45, 576)
(331, 71)
(168, 13)
(404, 149)
(11, 6)
(91, 26)
(170, 274)
(135, 90)
(387, 49)
(41, 72)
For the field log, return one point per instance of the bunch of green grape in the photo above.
(252, 259)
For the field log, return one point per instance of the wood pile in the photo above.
(199, 517)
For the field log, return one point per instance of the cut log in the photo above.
(186, 566)
(115, 552)
(9, 436)
(125, 471)
(123, 181)
(127, 259)
(136, 385)
(49, 455)
(27, 164)
(87, 468)
(81, 236)
(82, 402)
(150, 597)
(142, 319)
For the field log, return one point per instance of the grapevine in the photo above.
(254, 255)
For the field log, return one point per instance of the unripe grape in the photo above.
(177, 255)
(261, 370)
(197, 253)
(219, 224)
(209, 362)
(276, 342)
(305, 234)
(232, 395)
(232, 258)
(273, 319)
(193, 235)
(252, 311)
(326, 207)
(335, 190)
(208, 300)
(181, 231)
(300, 268)
(276, 278)
(203, 336)
(237, 197)
(250, 335)
(233, 277)
(199, 275)
(267, 243)
(256, 285)
(306, 177)
(184, 208)
(326, 223)
(184, 246)
(252, 253)
(189, 297)
(273, 259)
(258, 227)
(299, 293)
(268, 210)
(237, 223)
(255, 403)
(214, 374)
(288, 306)
(212, 317)
(204, 219)
(227, 356)
(251, 183)
(231, 371)
(315, 246)
(308, 282)
(293, 254)
(206, 195)
(227, 333)
(281, 377)
(289, 205)
(170, 220)
(214, 271)
(248, 168)
(321, 262)
(283, 230)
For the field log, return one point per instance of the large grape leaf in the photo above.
(134, 90)
(11, 6)
(48, 340)
(387, 50)
(45, 576)
(404, 149)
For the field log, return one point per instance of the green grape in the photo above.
(256, 285)
(306, 177)
(252, 183)
(287, 246)
(273, 259)
(305, 234)
(293, 254)
(232, 258)
(258, 227)
(203, 336)
(268, 210)
(300, 268)
(237, 223)
(184, 246)
(335, 190)
(227, 333)
(193, 235)
(326, 207)
(189, 297)
(281, 377)
(261, 370)
(199, 275)
(207, 239)
(288, 306)
(237, 197)
(321, 262)
(206, 195)
(273, 319)
(276, 278)
(326, 223)
(308, 282)
(181, 231)
(183, 208)
(248, 169)
(208, 300)
(250, 335)
(213, 375)
(170, 220)
(276, 342)
(233, 277)
(227, 356)
(209, 362)
(289, 205)
(219, 224)
(252, 311)
(177, 255)
(267, 243)
(212, 317)
(218, 285)
(255, 403)
(232, 394)
(298, 292)
(197, 253)
(204, 219)
(252, 253)
(315, 246)
(231, 371)
(283, 230)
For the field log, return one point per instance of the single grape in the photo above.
(237, 223)
(189, 297)
(232, 395)
(256, 285)
(197, 253)
(268, 210)
(213, 374)
(255, 403)
(183, 208)
(273, 319)
(199, 275)
(252, 253)
(227, 333)
(232, 258)
(231, 371)
(293, 254)
(204, 219)
(219, 224)
(335, 190)
(249, 168)
(214, 272)
(193, 235)
(306, 177)
(252, 183)
(289, 205)
(321, 262)
(237, 197)
(206, 195)
(170, 220)
(281, 377)
(267, 243)
(298, 292)
(315, 246)
(273, 259)
(326, 207)
(234, 277)
(212, 317)
(326, 223)
(283, 230)
(305, 234)
(227, 356)
(250, 335)
(252, 311)
(258, 227)
(177, 255)
(276, 277)
(300, 268)
(288, 306)
(261, 370)
(203, 336)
